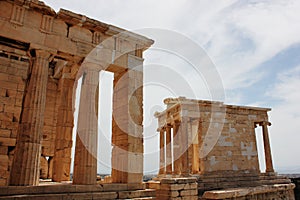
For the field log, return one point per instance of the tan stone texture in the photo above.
(280, 191)
(42, 55)
(38, 74)
(222, 136)
(221, 150)
(177, 188)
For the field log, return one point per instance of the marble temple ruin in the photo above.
(215, 144)
(208, 150)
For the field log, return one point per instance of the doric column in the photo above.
(162, 169)
(64, 130)
(85, 162)
(185, 171)
(127, 127)
(168, 150)
(26, 163)
(176, 150)
(267, 148)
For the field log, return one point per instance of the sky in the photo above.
(252, 57)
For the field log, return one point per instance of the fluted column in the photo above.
(26, 163)
(85, 162)
(64, 130)
(267, 148)
(201, 134)
(185, 171)
(195, 146)
(162, 165)
(127, 128)
(168, 150)
(176, 150)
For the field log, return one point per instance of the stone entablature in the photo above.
(39, 24)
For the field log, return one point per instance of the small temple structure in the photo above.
(206, 148)
(215, 144)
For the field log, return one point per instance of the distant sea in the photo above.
(288, 170)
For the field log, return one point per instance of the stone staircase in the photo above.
(219, 181)
(266, 192)
(81, 192)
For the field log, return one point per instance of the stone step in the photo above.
(83, 196)
(61, 188)
(259, 192)
(80, 196)
(52, 195)
(137, 194)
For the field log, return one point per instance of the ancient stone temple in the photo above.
(213, 145)
(205, 147)
(43, 54)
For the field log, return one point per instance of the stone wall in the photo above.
(235, 148)
(13, 76)
(270, 192)
(177, 188)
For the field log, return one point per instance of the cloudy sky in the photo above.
(254, 50)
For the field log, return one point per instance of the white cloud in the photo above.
(238, 35)
(287, 89)
(251, 34)
(285, 117)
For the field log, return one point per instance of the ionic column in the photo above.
(176, 150)
(267, 148)
(162, 151)
(195, 146)
(168, 150)
(201, 135)
(26, 163)
(185, 171)
(85, 161)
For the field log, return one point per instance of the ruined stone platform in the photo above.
(215, 181)
(266, 192)
(62, 191)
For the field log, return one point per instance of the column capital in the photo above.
(262, 123)
(168, 126)
(161, 129)
(41, 53)
(265, 123)
(185, 118)
(176, 123)
(91, 66)
(195, 121)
